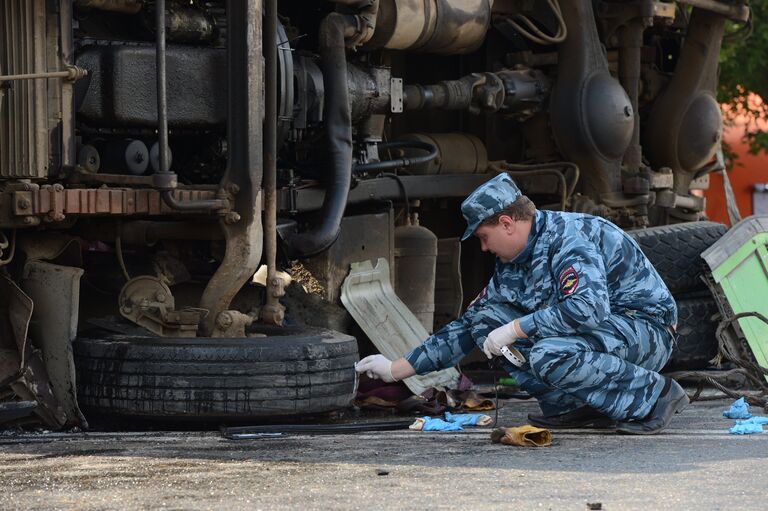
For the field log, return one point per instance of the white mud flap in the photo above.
(368, 295)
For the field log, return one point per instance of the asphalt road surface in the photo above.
(695, 464)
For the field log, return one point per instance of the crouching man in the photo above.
(582, 304)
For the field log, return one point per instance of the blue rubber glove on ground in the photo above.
(746, 429)
(755, 419)
(431, 424)
(738, 410)
(466, 419)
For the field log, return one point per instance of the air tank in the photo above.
(415, 263)
(458, 153)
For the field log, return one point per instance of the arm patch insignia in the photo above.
(568, 281)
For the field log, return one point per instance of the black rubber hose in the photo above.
(251, 432)
(432, 153)
(339, 137)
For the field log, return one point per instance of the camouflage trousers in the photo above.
(613, 368)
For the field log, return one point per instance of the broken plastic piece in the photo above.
(738, 265)
(368, 295)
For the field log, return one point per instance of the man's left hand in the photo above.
(498, 338)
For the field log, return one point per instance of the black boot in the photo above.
(584, 417)
(671, 401)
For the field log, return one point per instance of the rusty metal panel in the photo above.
(55, 203)
(140, 202)
(23, 103)
(73, 199)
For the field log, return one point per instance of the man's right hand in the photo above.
(376, 366)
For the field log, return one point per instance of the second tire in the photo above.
(675, 251)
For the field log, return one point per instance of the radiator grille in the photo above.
(23, 107)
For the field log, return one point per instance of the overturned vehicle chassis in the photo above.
(153, 154)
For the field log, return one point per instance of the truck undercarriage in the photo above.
(154, 154)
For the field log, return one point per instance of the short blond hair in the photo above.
(522, 209)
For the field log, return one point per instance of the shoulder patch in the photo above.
(568, 281)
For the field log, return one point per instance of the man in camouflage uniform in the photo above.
(580, 302)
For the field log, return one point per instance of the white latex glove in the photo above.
(376, 366)
(502, 336)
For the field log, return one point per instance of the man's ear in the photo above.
(507, 222)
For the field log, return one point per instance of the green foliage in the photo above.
(744, 70)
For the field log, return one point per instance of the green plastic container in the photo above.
(739, 264)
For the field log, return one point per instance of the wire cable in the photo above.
(402, 189)
(536, 35)
(525, 170)
(120, 260)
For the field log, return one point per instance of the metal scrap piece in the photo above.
(55, 291)
(368, 295)
(22, 373)
(16, 410)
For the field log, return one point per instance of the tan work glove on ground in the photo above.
(523, 436)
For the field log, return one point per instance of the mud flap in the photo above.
(22, 374)
(368, 295)
(55, 291)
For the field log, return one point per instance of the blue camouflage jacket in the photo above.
(575, 271)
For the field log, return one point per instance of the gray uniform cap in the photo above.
(487, 200)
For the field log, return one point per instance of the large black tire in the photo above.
(675, 251)
(291, 371)
(696, 342)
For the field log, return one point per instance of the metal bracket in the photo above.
(148, 302)
(231, 323)
(396, 95)
(273, 312)
(663, 179)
